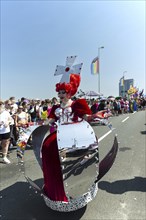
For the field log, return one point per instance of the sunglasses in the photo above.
(61, 92)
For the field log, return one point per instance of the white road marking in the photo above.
(102, 137)
(106, 134)
(125, 119)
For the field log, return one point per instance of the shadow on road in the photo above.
(124, 149)
(18, 202)
(143, 132)
(122, 186)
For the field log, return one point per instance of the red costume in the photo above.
(53, 181)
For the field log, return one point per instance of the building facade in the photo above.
(124, 86)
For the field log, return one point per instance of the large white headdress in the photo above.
(68, 69)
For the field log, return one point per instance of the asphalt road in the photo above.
(122, 191)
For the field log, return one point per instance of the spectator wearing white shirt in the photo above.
(5, 120)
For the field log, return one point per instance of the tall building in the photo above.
(124, 86)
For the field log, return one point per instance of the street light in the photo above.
(99, 48)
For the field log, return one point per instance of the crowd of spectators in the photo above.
(26, 111)
(119, 105)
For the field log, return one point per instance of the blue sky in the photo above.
(38, 35)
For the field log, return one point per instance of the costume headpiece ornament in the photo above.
(70, 76)
(69, 69)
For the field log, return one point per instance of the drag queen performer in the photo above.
(53, 182)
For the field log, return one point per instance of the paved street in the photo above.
(122, 191)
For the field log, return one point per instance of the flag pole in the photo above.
(99, 68)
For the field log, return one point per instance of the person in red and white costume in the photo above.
(67, 88)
